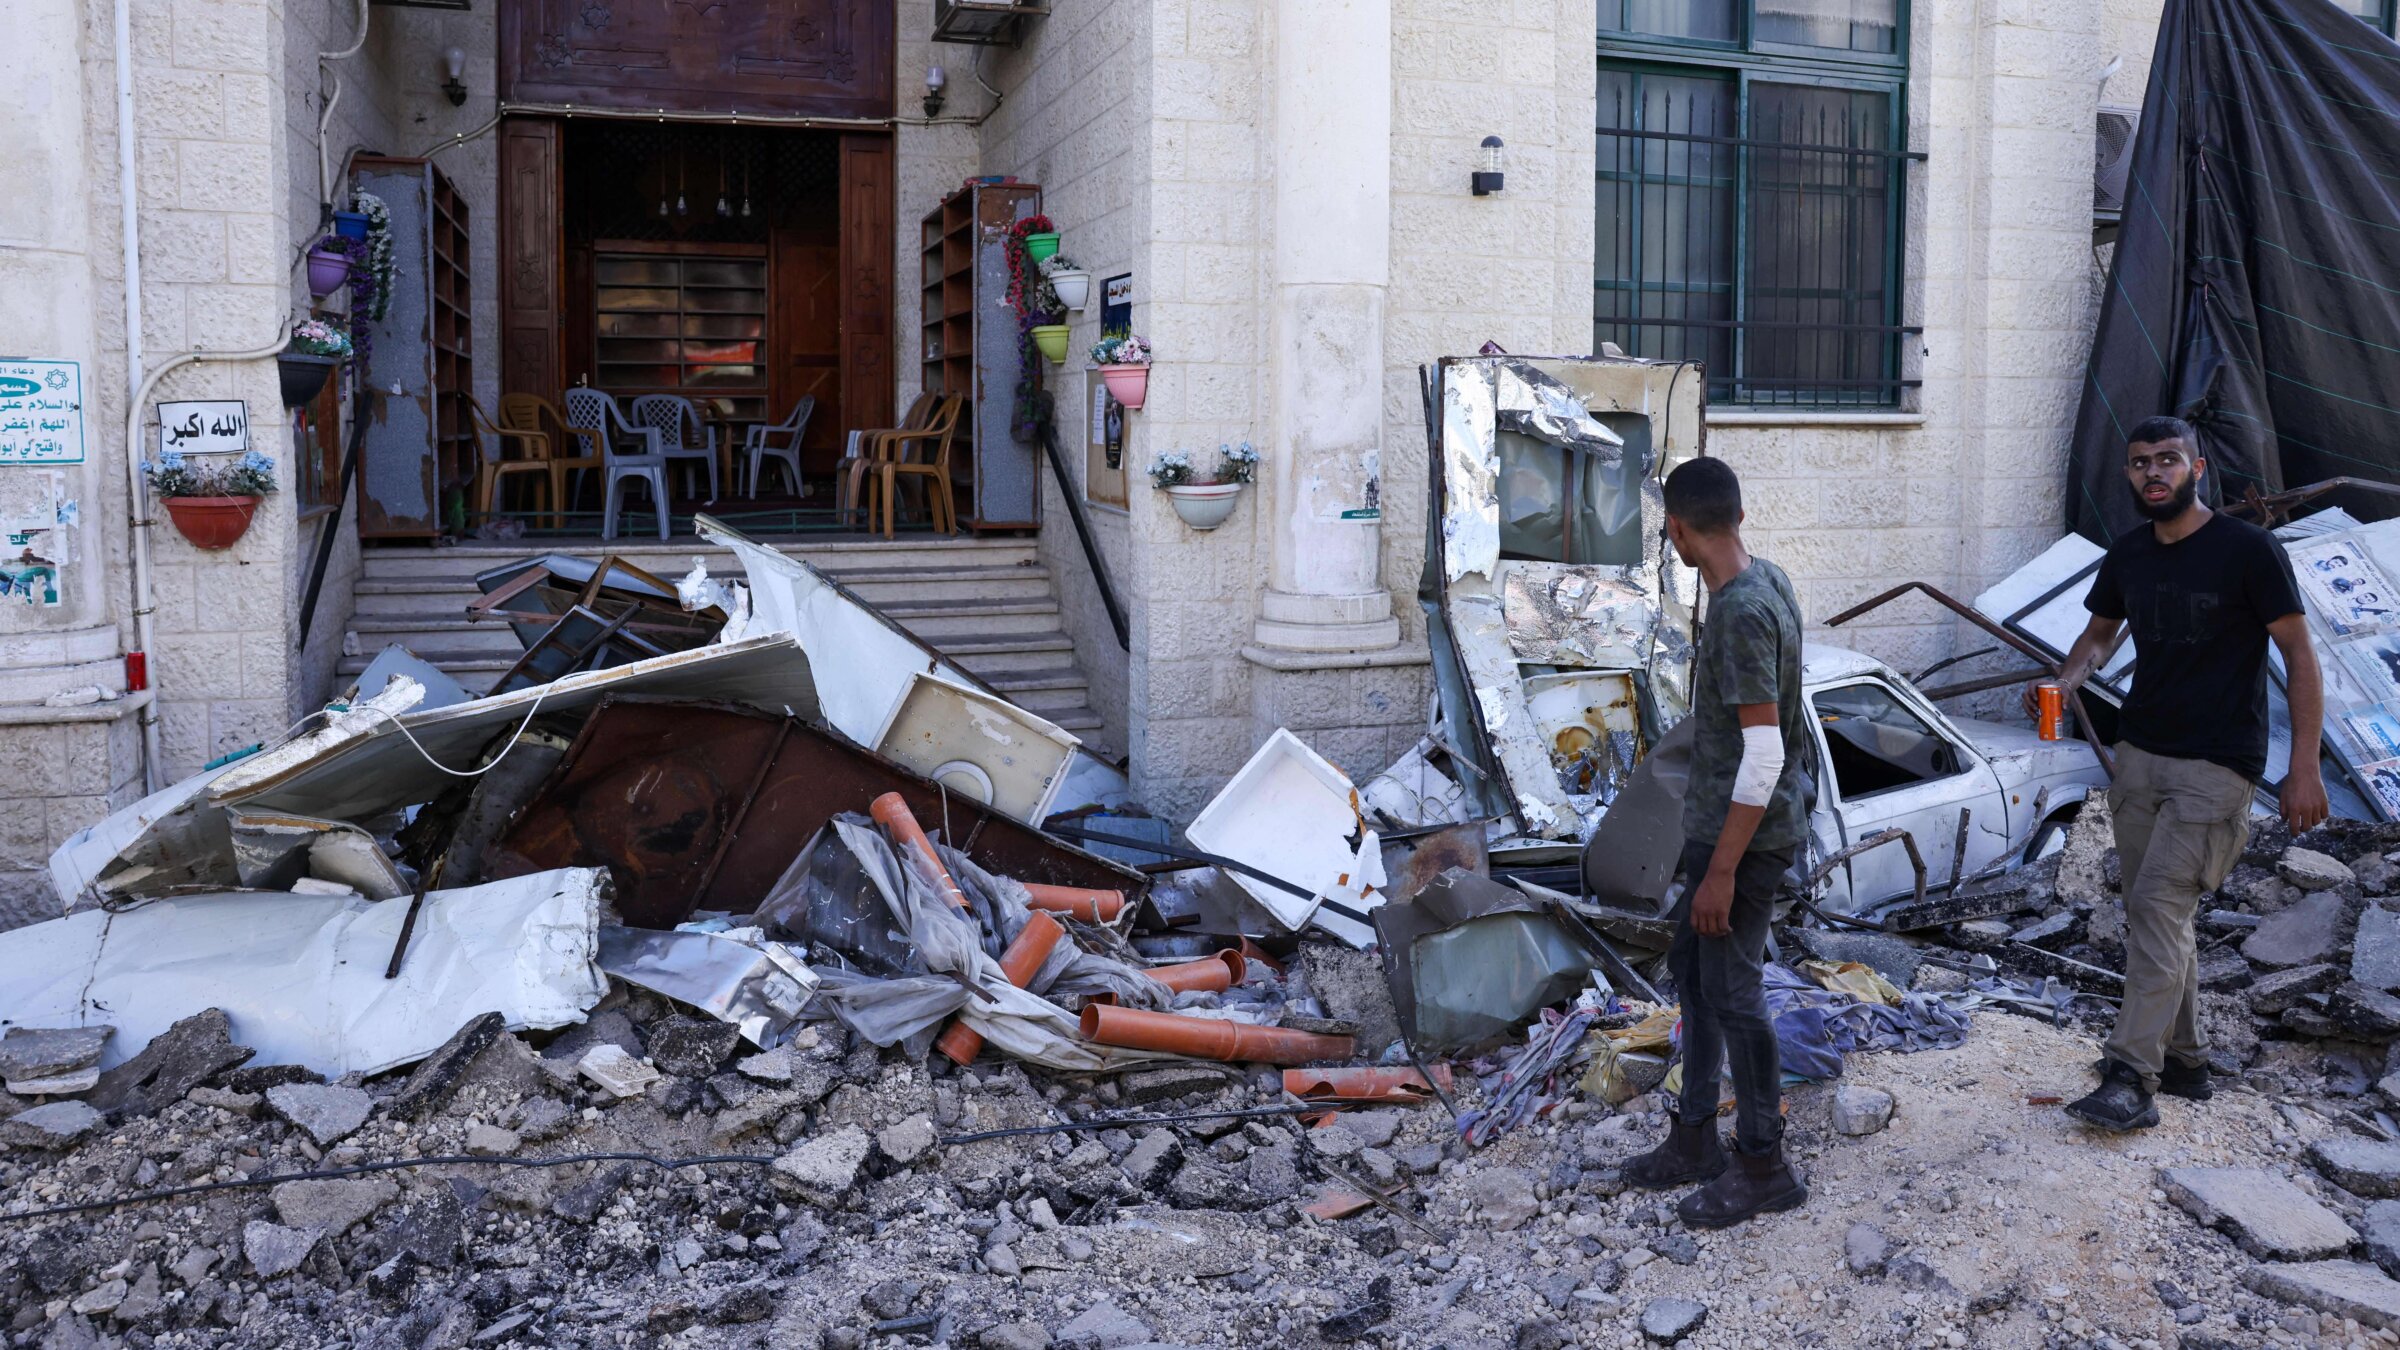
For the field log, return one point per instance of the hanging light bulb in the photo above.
(682, 208)
(745, 182)
(724, 206)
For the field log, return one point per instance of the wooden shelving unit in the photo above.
(453, 326)
(420, 444)
(688, 319)
(968, 345)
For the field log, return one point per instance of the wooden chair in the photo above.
(523, 416)
(533, 458)
(598, 418)
(893, 464)
(856, 466)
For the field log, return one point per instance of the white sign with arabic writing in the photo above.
(210, 427)
(41, 412)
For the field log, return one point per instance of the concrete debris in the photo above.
(273, 1249)
(55, 1125)
(1865, 1249)
(326, 1113)
(1861, 1110)
(2366, 1167)
(1668, 1320)
(611, 1067)
(2348, 1289)
(34, 1053)
(2270, 1217)
(334, 1205)
(2301, 935)
(2312, 871)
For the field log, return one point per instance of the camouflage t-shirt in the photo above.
(1749, 653)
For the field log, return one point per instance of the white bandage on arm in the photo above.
(1762, 763)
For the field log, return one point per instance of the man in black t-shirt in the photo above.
(2203, 593)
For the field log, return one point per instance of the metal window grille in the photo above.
(1754, 227)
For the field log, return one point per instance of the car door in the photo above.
(1891, 761)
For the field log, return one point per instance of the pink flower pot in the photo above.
(212, 522)
(1127, 383)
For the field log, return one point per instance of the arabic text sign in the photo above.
(41, 412)
(214, 427)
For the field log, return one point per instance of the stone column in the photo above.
(1332, 148)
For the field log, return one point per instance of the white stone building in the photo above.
(1892, 303)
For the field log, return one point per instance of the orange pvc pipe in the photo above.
(1076, 902)
(1215, 974)
(891, 812)
(1209, 1037)
(1019, 963)
(1365, 1083)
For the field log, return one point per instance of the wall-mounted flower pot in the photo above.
(327, 271)
(350, 224)
(303, 376)
(1051, 338)
(1040, 246)
(1204, 506)
(1073, 288)
(1128, 383)
(212, 522)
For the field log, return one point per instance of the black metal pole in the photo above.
(1083, 533)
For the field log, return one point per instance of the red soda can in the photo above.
(2051, 697)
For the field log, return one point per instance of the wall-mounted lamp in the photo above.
(1488, 179)
(454, 65)
(936, 80)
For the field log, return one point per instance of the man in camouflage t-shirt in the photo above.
(1745, 816)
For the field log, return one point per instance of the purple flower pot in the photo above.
(326, 271)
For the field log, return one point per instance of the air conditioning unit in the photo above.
(2112, 156)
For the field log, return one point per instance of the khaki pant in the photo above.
(2180, 826)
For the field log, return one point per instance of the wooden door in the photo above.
(806, 345)
(532, 294)
(866, 279)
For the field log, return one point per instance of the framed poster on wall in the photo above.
(1104, 425)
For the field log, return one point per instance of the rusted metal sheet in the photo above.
(689, 804)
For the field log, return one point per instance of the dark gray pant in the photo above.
(1724, 998)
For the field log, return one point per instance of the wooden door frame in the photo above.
(533, 302)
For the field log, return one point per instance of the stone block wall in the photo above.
(1075, 116)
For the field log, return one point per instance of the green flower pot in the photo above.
(1041, 246)
(1051, 338)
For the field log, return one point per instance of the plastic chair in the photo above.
(676, 421)
(864, 446)
(789, 431)
(533, 459)
(596, 416)
(524, 414)
(892, 465)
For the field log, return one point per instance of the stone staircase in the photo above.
(987, 603)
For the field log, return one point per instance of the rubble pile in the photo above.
(739, 971)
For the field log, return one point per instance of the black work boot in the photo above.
(2178, 1079)
(2118, 1104)
(1690, 1153)
(1757, 1183)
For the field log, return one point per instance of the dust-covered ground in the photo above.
(1973, 1218)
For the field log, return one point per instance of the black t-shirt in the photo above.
(2199, 610)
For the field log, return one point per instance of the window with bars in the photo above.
(1750, 189)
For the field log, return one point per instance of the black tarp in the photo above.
(2256, 285)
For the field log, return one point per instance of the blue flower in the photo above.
(251, 459)
(170, 461)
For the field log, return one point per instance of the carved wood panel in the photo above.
(530, 301)
(867, 264)
(821, 58)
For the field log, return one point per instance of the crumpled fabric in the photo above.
(949, 946)
(1824, 1019)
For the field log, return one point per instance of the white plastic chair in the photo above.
(596, 415)
(677, 421)
(788, 431)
